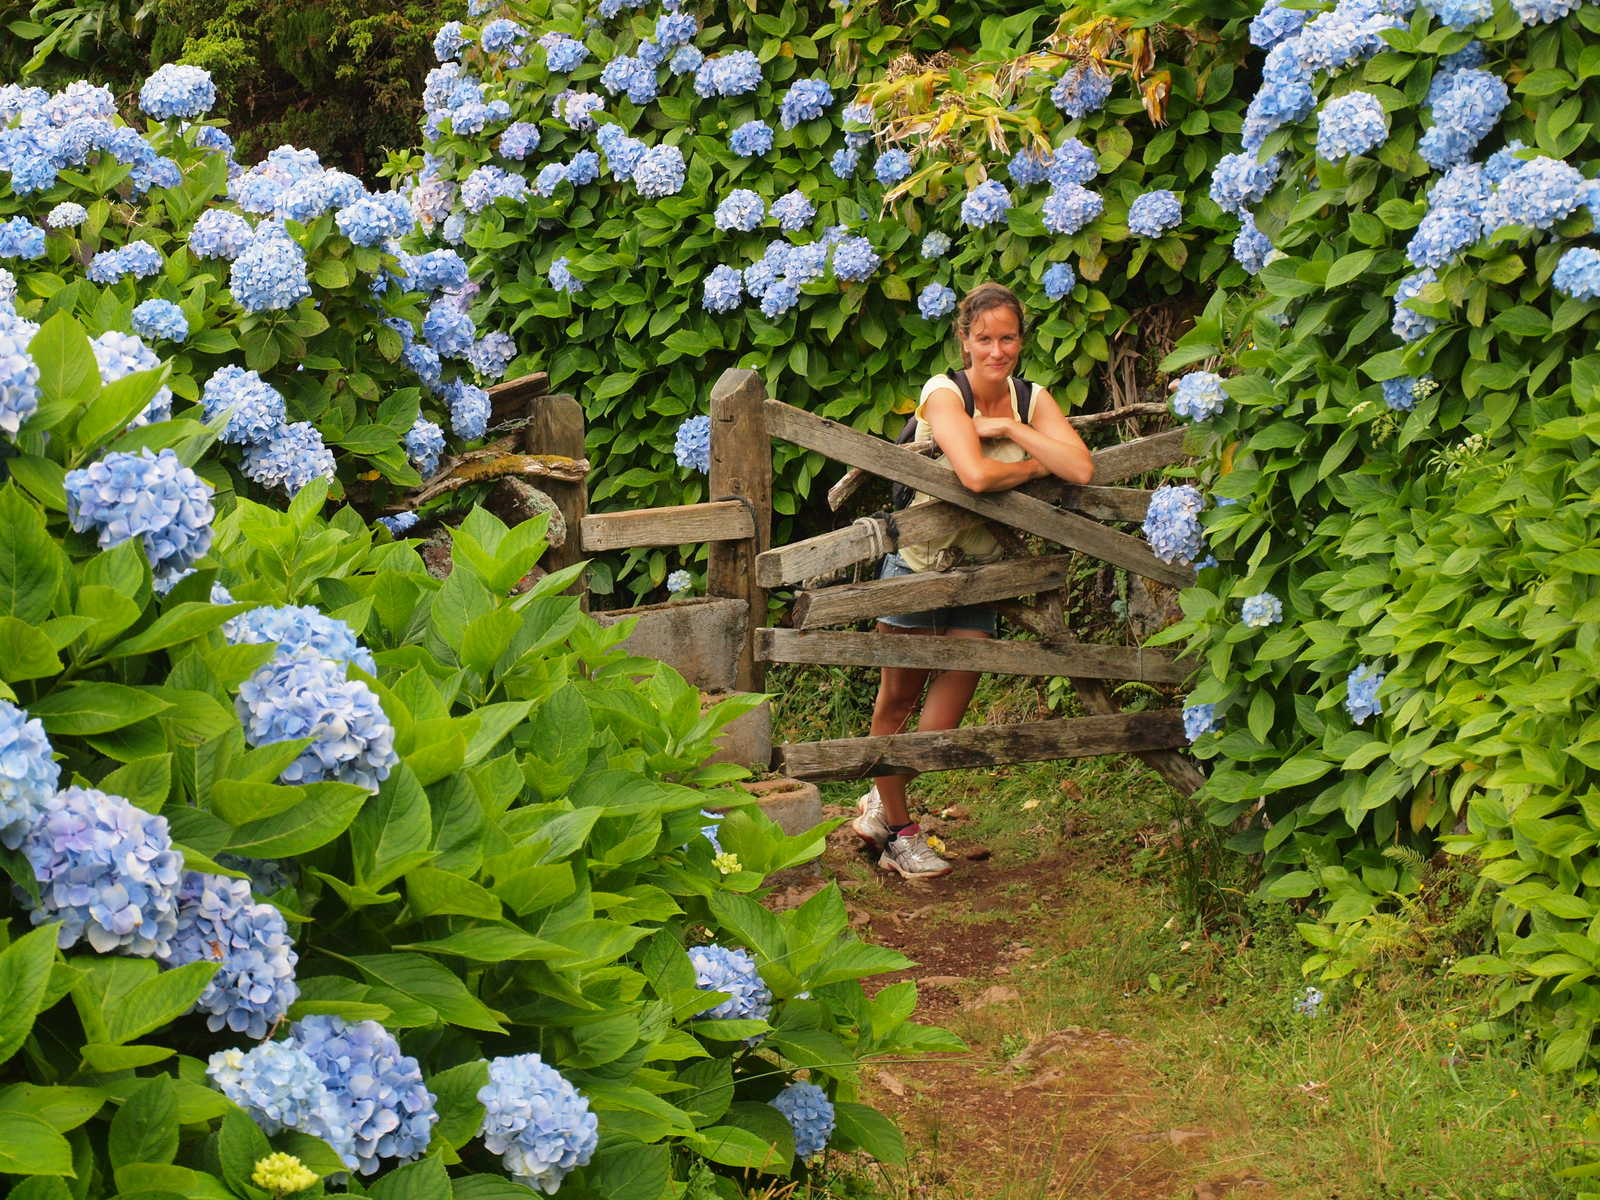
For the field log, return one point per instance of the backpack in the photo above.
(900, 494)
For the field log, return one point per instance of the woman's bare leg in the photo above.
(899, 689)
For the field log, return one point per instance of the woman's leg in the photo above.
(950, 693)
(899, 689)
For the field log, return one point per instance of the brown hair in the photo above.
(986, 297)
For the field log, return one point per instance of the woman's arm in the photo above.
(957, 436)
(1051, 442)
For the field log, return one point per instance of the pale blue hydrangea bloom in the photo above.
(1251, 248)
(297, 627)
(487, 184)
(448, 330)
(469, 409)
(685, 59)
(1199, 395)
(779, 297)
(1460, 14)
(1172, 523)
(1239, 181)
(290, 458)
(519, 139)
(1543, 12)
(177, 90)
(500, 35)
(281, 1087)
(563, 54)
(625, 74)
(269, 275)
(844, 162)
(622, 152)
(28, 774)
(793, 211)
(536, 1121)
(751, 140)
(1198, 720)
(892, 166)
(1081, 91)
(724, 289)
(1408, 324)
(1351, 124)
(1059, 279)
(677, 581)
(118, 355)
(1401, 394)
(66, 215)
(562, 278)
(935, 245)
(369, 222)
(1154, 213)
(692, 444)
(732, 971)
(219, 233)
(1308, 1003)
(19, 374)
(1465, 107)
(806, 100)
(652, 54)
(107, 871)
(676, 28)
(731, 74)
(21, 238)
(378, 1089)
(854, 259)
(257, 408)
(1578, 274)
(810, 1114)
(437, 270)
(1274, 23)
(1069, 207)
(1261, 610)
(1361, 693)
(399, 524)
(1071, 162)
(659, 172)
(1536, 193)
(424, 444)
(219, 921)
(1028, 167)
(158, 318)
(550, 177)
(936, 301)
(985, 204)
(742, 210)
(304, 695)
(579, 109)
(149, 496)
(449, 42)
(492, 354)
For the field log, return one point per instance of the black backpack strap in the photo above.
(964, 386)
(1024, 400)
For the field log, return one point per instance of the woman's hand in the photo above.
(993, 427)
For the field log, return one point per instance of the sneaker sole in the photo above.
(878, 841)
(888, 864)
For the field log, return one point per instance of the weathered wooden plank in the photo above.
(1024, 512)
(980, 746)
(930, 652)
(847, 602)
(718, 521)
(741, 469)
(556, 428)
(866, 538)
(1113, 464)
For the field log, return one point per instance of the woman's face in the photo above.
(993, 344)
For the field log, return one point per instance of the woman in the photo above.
(994, 448)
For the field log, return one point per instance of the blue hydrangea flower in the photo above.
(742, 210)
(1028, 167)
(731, 74)
(652, 54)
(219, 233)
(692, 444)
(1465, 108)
(1408, 324)
(724, 289)
(583, 168)
(1059, 279)
(579, 109)
(1277, 104)
(500, 35)
(219, 921)
(19, 374)
(985, 204)
(810, 1114)
(854, 259)
(677, 581)
(1443, 233)
(1172, 522)
(160, 319)
(368, 222)
(892, 166)
(379, 1090)
(1069, 207)
(779, 297)
(290, 458)
(28, 774)
(487, 184)
(1460, 14)
(625, 74)
(1239, 181)
(844, 162)
(269, 275)
(492, 354)
(1261, 610)
(119, 354)
(563, 54)
(1199, 395)
(1071, 162)
(806, 100)
(1251, 248)
(793, 211)
(685, 59)
(299, 627)
(21, 238)
(178, 91)
(659, 172)
(1350, 32)
(438, 270)
(562, 278)
(304, 695)
(1153, 213)
(1353, 123)
(1361, 693)
(1275, 23)
(66, 215)
(448, 330)
(255, 407)
(424, 444)
(721, 969)
(622, 152)
(1543, 12)
(536, 1121)
(751, 140)
(772, 265)
(469, 409)
(935, 301)
(449, 42)
(153, 497)
(1537, 194)
(1198, 720)
(1400, 394)
(399, 524)
(550, 177)
(935, 245)
(107, 871)
(1081, 91)
(281, 1087)
(519, 139)
(1578, 274)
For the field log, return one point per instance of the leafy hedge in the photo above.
(1407, 456)
(637, 343)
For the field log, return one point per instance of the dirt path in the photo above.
(1032, 1111)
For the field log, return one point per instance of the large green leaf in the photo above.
(25, 968)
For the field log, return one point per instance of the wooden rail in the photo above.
(718, 521)
(847, 602)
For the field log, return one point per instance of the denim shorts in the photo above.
(980, 617)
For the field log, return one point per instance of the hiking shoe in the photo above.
(910, 856)
(870, 826)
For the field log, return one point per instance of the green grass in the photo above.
(1154, 935)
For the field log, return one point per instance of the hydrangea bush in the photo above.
(1405, 462)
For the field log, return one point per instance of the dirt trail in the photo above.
(1031, 1111)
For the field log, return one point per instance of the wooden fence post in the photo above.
(557, 428)
(741, 468)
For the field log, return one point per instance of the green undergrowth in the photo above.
(1382, 1094)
